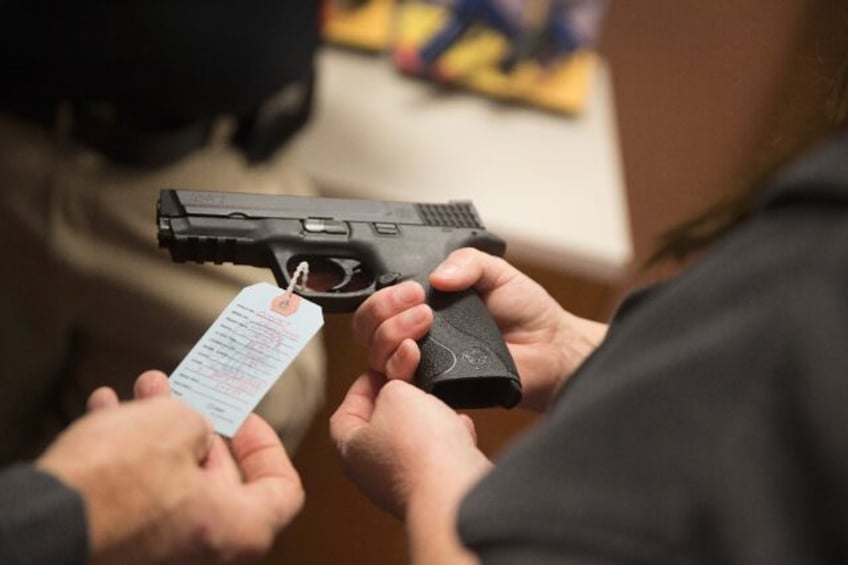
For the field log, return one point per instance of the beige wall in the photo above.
(702, 89)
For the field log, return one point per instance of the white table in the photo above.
(550, 185)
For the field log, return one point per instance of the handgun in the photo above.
(353, 248)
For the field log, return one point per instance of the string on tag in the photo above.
(301, 272)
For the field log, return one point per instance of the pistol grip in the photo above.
(464, 360)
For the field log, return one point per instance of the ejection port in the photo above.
(322, 225)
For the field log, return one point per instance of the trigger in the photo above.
(355, 275)
(350, 268)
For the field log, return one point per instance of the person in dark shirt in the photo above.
(104, 104)
(147, 482)
(706, 424)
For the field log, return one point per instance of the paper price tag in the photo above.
(243, 353)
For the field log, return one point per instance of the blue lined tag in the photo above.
(243, 353)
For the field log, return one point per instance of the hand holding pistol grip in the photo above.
(464, 360)
(356, 247)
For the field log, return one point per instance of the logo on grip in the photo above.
(475, 356)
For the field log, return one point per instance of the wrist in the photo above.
(432, 511)
(75, 476)
(579, 337)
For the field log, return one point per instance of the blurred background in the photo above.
(686, 103)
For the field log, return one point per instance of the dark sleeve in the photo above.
(820, 421)
(41, 519)
(710, 427)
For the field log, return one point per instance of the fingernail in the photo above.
(416, 315)
(407, 294)
(446, 270)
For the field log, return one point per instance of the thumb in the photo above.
(102, 397)
(356, 409)
(150, 384)
(467, 267)
(269, 475)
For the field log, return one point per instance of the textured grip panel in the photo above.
(454, 214)
(464, 360)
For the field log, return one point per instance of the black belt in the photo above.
(138, 140)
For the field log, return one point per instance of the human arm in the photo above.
(406, 450)
(414, 457)
(41, 519)
(159, 487)
(547, 342)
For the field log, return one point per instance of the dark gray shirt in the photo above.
(42, 521)
(711, 426)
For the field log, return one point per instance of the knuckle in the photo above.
(377, 360)
(394, 389)
(384, 339)
(363, 311)
(386, 307)
(384, 333)
(292, 498)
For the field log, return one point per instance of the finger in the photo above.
(220, 461)
(103, 397)
(151, 384)
(469, 267)
(400, 393)
(356, 408)
(413, 323)
(383, 305)
(403, 363)
(271, 481)
(258, 451)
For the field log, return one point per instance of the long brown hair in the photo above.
(812, 105)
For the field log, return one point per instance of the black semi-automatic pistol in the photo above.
(353, 248)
